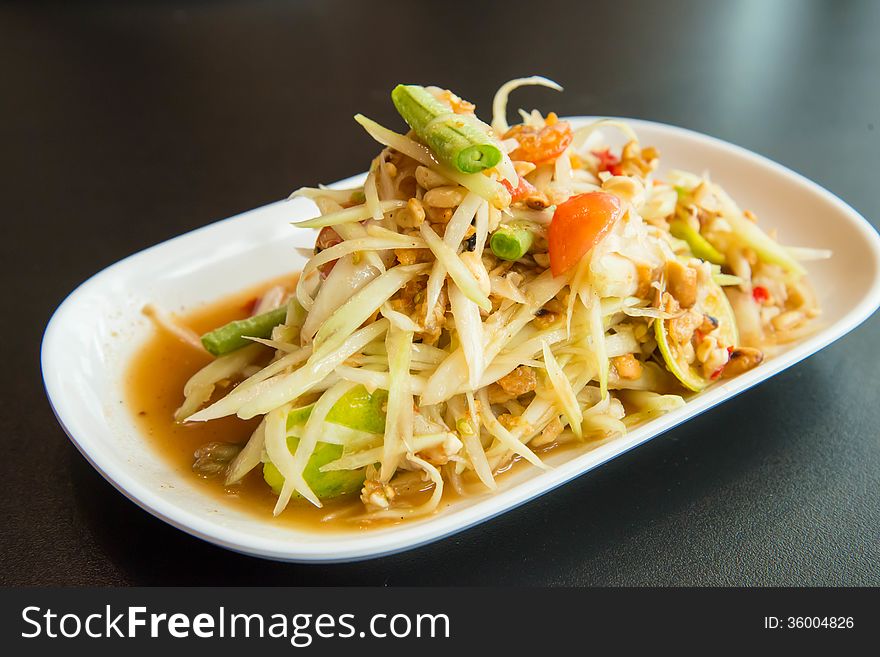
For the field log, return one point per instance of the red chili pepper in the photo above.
(698, 334)
(523, 190)
(609, 162)
(760, 294)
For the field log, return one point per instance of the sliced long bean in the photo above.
(234, 335)
(511, 243)
(460, 141)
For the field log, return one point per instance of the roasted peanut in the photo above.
(439, 216)
(520, 381)
(549, 434)
(742, 360)
(682, 283)
(444, 197)
(429, 179)
(627, 366)
(416, 211)
(788, 320)
(682, 328)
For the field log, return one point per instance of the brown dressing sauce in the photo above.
(154, 390)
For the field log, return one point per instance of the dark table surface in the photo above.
(123, 124)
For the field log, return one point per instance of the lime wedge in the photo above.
(357, 409)
(714, 304)
(324, 484)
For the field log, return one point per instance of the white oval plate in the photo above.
(93, 334)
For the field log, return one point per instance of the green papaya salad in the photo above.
(489, 292)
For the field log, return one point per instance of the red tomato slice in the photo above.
(578, 225)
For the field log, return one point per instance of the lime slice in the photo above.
(324, 484)
(357, 409)
(714, 304)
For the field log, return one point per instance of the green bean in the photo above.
(511, 243)
(234, 335)
(460, 141)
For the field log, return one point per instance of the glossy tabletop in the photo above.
(124, 124)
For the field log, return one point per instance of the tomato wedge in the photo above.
(578, 225)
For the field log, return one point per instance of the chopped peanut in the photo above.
(376, 495)
(444, 197)
(645, 278)
(705, 348)
(439, 454)
(788, 320)
(627, 366)
(475, 266)
(510, 422)
(549, 434)
(497, 394)
(682, 328)
(545, 319)
(682, 283)
(406, 300)
(537, 201)
(458, 105)
(416, 211)
(668, 304)
(433, 321)
(715, 359)
(636, 161)
(439, 215)
(413, 256)
(688, 352)
(520, 381)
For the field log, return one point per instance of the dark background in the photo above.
(123, 124)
